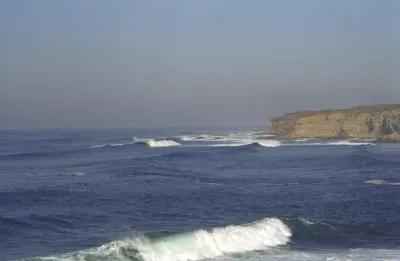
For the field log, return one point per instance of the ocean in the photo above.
(205, 194)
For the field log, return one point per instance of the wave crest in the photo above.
(203, 244)
(349, 143)
(202, 137)
(152, 143)
(268, 143)
(196, 245)
(162, 143)
(250, 143)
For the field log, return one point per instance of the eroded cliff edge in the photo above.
(381, 122)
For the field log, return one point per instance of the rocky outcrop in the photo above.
(381, 122)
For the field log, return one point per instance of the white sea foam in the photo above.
(244, 142)
(361, 254)
(196, 245)
(302, 140)
(98, 146)
(381, 182)
(186, 137)
(349, 143)
(149, 142)
(234, 144)
(232, 136)
(333, 143)
(269, 143)
(202, 137)
(162, 143)
(203, 244)
(191, 137)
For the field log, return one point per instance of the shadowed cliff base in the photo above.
(380, 122)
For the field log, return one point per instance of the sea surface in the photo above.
(169, 195)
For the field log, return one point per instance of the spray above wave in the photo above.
(196, 245)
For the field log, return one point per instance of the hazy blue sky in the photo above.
(164, 63)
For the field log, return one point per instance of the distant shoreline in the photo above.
(378, 122)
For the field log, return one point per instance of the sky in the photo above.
(112, 64)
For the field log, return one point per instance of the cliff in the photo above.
(381, 122)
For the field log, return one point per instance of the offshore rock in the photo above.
(381, 122)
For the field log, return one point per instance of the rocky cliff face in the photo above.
(380, 122)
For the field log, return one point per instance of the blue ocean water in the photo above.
(174, 194)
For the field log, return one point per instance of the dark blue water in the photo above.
(103, 195)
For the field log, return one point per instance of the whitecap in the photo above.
(162, 143)
(195, 245)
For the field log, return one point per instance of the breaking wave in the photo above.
(303, 142)
(268, 143)
(162, 143)
(202, 244)
(196, 245)
(236, 136)
(250, 143)
(152, 143)
(202, 137)
(349, 143)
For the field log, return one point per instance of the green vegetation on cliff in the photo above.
(380, 122)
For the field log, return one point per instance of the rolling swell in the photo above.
(181, 155)
(319, 234)
(11, 225)
(56, 153)
(151, 143)
(45, 154)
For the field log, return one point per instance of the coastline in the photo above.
(378, 122)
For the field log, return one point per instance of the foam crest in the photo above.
(196, 245)
(189, 137)
(203, 244)
(235, 144)
(148, 142)
(162, 143)
(241, 143)
(333, 143)
(269, 143)
(303, 140)
(381, 182)
(349, 143)
(202, 137)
